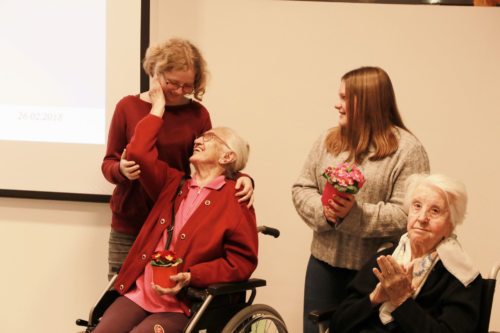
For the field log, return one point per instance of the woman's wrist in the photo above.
(157, 111)
(400, 300)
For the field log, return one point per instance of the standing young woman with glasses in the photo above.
(348, 231)
(180, 69)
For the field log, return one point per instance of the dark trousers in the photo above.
(124, 316)
(325, 287)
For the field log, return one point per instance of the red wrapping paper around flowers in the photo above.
(329, 192)
(346, 176)
(161, 276)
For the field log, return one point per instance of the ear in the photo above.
(227, 158)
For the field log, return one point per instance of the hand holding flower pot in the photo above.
(344, 179)
(164, 264)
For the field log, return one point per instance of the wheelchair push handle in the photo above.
(268, 231)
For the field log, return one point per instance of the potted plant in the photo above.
(344, 178)
(164, 264)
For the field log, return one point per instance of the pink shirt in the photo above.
(143, 294)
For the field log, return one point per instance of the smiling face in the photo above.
(428, 219)
(176, 84)
(209, 148)
(341, 105)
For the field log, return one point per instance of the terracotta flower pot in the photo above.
(161, 275)
(329, 192)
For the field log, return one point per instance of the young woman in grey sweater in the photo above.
(348, 231)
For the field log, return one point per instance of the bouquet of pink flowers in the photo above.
(344, 178)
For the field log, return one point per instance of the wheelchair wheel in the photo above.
(256, 318)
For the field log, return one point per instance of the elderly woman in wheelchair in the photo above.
(200, 219)
(427, 283)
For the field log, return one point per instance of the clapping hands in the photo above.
(394, 282)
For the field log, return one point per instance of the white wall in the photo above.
(53, 263)
(275, 70)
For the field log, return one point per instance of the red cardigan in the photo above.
(183, 123)
(219, 241)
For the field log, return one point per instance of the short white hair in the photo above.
(454, 190)
(237, 145)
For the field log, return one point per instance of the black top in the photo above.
(443, 305)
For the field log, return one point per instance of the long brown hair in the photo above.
(372, 114)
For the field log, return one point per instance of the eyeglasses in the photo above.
(209, 136)
(186, 88)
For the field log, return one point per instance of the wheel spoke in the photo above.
(257, 318)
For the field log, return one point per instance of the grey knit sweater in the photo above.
(376, 217)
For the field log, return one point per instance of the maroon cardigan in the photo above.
(183, 123)
(219, 241)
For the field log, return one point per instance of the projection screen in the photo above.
(64, 66)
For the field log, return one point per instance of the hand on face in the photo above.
(182, 280)
(157, 97)
(176, 84)
(395, 280)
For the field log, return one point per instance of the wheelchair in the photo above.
(220, 308)
(322, 317)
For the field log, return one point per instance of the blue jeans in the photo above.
(325, 287)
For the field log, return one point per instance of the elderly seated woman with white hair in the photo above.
(427, 283)
(200, 219)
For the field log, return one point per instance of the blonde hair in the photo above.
(372, 114)
(177, 54)
(454, 190)
(237, 145)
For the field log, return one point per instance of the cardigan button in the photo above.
(144, 256)
(183, 236)
(122, 287)
(207, 202)
(162, 221)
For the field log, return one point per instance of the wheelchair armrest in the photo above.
(318, 316)
(230, 288)
(218, 289)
